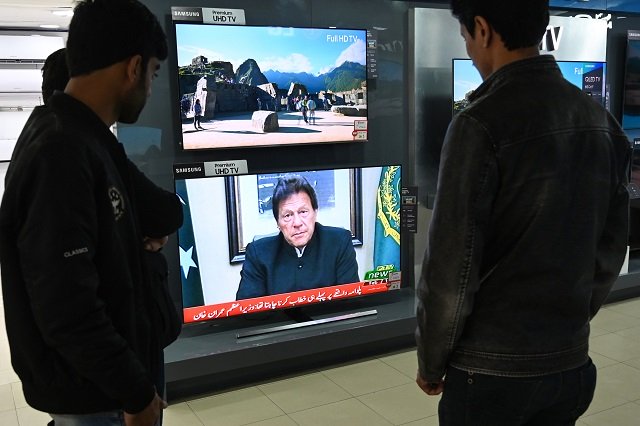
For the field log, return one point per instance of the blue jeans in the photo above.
(479, 399)
(109, 418)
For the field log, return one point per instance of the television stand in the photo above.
(303, 320)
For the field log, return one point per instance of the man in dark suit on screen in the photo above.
(304, 254)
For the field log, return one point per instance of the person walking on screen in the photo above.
(311, 106)
(304, 255)
(75, 220)
(304, 108)
(527, 236)
(197, 111)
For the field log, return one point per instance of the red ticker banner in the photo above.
(283, 301)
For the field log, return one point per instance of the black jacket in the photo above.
(272, 266)
(529, 228)
(72, 275)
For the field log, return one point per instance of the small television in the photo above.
(588, 76)
(631, 103)
(266, 86)
(237, 257)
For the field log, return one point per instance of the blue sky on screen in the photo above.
(308, 50)
(465, 78)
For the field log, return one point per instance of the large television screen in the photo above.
(260, 242)
(254, 86)
(587, 76)
(631, 105)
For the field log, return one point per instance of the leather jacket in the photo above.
(529, 228)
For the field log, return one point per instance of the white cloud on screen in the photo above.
(464, 87)
(356, 52)
(296, 62)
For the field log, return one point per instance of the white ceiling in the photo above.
(21, 87)
(33, 13)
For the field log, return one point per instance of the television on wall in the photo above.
(631, 103)
(588, 76)
(634, 195)
(266, 86)
(237, 256)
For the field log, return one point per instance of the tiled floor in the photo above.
(373, 391)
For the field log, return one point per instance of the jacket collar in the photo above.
(509, 71)
(83, 116)
(290, 250)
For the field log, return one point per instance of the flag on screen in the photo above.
(190, 274)
(387, 234)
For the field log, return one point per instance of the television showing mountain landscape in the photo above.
(246, 86)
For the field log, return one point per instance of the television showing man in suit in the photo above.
(304, 254)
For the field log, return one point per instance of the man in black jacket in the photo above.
(74, 221)
(527, 236)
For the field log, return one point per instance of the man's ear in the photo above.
(484, 31)
(134, 68)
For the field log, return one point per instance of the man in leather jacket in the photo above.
(528, 233)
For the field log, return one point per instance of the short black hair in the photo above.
(519, 23)
(55, 74)
(288, 186)
(105, 32)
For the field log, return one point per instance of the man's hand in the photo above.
(147, 417)
(154, 244)
(430, 388)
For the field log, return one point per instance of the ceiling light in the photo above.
(67, 12)
(50, 26)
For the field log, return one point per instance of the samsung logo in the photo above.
(188, 170)
(186, 13)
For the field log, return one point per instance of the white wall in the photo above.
(21, 79)
(11, 124)
(3, 172)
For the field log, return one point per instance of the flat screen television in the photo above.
(634, 194)
(265, 86)
(631, 103)
(237, 257)
(588, 76)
